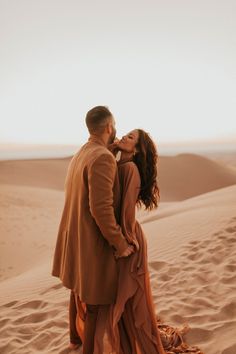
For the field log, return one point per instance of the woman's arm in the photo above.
(130, 184)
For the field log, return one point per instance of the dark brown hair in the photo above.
(146, 160)
(97, 118)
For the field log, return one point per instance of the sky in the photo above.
(166, 66)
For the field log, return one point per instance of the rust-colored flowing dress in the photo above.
(129, 326)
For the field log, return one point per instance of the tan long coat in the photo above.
(88, 232)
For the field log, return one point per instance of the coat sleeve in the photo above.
(130, 191)
(101, 176)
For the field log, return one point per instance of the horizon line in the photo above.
(223, 141)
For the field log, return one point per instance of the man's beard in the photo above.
(112, 136)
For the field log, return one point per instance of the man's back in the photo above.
(84, 258)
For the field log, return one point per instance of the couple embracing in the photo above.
(101, 251)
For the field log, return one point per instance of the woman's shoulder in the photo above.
(129, 168)
(127, 165)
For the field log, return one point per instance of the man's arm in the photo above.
(101, 176)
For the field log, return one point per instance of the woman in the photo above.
(130, 326)
(133, 312)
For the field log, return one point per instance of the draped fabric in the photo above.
(130, 326)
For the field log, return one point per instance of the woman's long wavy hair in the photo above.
(146, 159)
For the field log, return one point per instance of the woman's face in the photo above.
(129, 141)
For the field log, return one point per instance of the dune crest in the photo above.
(182, 176)
(187, 175)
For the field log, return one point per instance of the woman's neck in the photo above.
(126, 156)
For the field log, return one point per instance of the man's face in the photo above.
(113, 131)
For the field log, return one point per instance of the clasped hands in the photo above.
(127, 252)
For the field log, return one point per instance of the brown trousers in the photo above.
(89, 325)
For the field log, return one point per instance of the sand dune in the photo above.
(205, 200)
(181, 177)
(29, 222)
(44, 173)
(192, 261)
(192, 257)
(226, 157)
(187, 175)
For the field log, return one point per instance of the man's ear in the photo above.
(109, 128)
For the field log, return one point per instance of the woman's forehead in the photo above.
(134, 132)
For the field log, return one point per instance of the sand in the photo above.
(191, 248)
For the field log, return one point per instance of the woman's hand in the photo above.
(114, 147)
(127, 252)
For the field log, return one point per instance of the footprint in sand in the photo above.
(215, 249)
(227, 311)
(10, 304)
(195, 242)
(3, 322)
(207, 278)
(158, 265)
(193, 256)
(217, 233)
(205, 243)
(199, 335)
(232, 239)
(231, 229)
(52, 288)
(185, 254)
(230, 279)
(204, 302)
(222, 237)
(35, 317)
(188, 268)
(174, 270)
(164, 277)
(34, 305)
(230, 267)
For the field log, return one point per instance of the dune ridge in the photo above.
(180, 177)
(187, 175)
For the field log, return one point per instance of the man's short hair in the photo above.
(97, 118)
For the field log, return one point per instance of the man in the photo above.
(89, 236)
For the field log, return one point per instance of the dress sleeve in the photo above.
(130, 182)
(101, 176)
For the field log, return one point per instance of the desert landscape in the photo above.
(191, 248)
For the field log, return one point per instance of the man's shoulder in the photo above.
(95, 152)
(102, 154)
(99, 150)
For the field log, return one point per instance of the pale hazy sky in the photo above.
(166, 66)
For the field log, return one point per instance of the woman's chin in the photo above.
(121, 147)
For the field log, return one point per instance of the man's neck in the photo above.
(99, 139)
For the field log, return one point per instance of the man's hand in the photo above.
(114, 147)
(127, 252)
